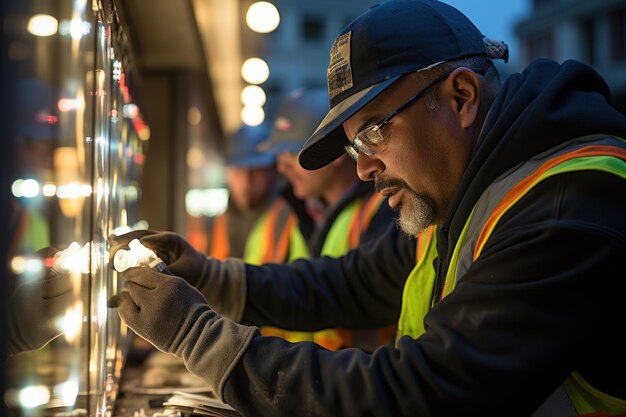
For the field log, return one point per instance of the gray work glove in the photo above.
(175, 318)
(34, 309)
(223, 283)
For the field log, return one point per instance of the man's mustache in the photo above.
(381, 184)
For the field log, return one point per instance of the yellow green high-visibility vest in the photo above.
(418, 288)
(599, 153)
(343, 235)
(268, 240)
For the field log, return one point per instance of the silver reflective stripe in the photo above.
(494, 193)
(557, 404)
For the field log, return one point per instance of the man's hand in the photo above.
(35, 307)
(161, 308)
(174, 317)
(221, 282)
(181, 258)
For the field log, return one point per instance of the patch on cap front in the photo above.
(340, 69)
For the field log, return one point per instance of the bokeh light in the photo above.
(262, 17)
(255, 71)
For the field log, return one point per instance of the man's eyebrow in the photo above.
(368, 122)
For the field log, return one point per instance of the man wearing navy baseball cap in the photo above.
(510, 300)
(251, 179)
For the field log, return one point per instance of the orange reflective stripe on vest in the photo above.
(576, 160)
(269, 239)
(344, 234)
(363, 216)
(525, 185)
(605, 154)
(277, 232)
(220, 245)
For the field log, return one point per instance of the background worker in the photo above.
(336, 211)
(253, 215)
(526, 183)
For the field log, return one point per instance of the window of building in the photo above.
(617, 36)
(588, 41)
(539, 4)
(313, 28)
(313, 83)
(540, 45)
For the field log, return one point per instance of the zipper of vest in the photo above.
(440, 278)
(439, 281)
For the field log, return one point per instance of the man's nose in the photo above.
(368, 167)
(284, 160)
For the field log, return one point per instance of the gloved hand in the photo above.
(181, 258)
(175, 318)
(221, 282)
(34, 308)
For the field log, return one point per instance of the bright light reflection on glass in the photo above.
(124, 228)
(73, 190)
(28, 188)
(16, 188)
(100, 191)
(252, 115)
(73, 259)
(67, 391)
(208, 202)
(130, 110)
(71, 322)
(101, 308)
(262, 17)
(255, 71)
(123, 217)
(121, 230)
(26, 265)
(117, 70)
(34, 396)
(49, 190)
(76, 28)
(42, 25)
(70, 104)
(253, 95)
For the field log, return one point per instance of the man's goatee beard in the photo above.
(416, 215)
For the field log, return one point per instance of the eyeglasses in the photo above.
(372, 134)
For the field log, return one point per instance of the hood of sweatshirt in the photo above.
(544, 106)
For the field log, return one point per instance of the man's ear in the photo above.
(463, 87)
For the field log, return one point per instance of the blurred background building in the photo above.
(590, 31)
(205, 67)
(116, 113)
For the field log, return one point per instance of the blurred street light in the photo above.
(255, 71)
(262, 17)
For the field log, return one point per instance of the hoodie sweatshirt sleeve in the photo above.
(516, 325)
(354, 291)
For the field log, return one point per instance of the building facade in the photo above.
(590, 31)
(297, 52)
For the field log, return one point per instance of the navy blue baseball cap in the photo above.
(389, 40)
(242, 147)
(298, 116)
